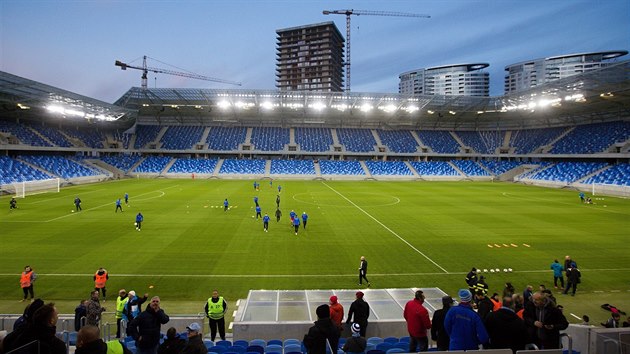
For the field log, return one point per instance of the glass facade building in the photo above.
(448, 80)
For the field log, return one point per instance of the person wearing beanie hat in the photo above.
(464, 326)
(133, 306)
(418, 323)
(336, 312)
(438, 333)
(323, 330)
(360, 310)
(121, 301)
(355, 343)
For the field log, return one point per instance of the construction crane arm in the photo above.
(373, 13)
(145, 69)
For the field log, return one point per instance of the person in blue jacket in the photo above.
(258, 212)
(557, 274)
(296, 224)
(225, 205)
(266, 222)
(304, 219)
(464, 326)
(118, 205)
(139, 220)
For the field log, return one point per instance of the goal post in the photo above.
(22, 189)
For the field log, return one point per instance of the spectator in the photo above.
(508, 290)
(145, 329)
(40, 329)
(613, 321)
(336, 312)
(573, 279)
(356, 343)
(133, 307)
(173, 344)
(94, 310)
(418, 323)
(360, 309)
(586, 321)
(464, 326)
(80, 315)
(438, 333)
(527, 293)
(323, 330)
(544, 321)
(26, 282)
(27, 316)
(484, 305)
(121, 301)
(195, 340)
(557, 274)
(506, 329)
(89, 342)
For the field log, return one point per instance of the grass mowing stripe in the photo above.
(386, 228)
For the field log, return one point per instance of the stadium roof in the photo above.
(21, 97)
(599, 95)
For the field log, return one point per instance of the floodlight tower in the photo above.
(350, 12)
(145, 70)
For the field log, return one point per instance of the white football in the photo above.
(491, 270)
(72, 211)
(485, 271)
(504, 270)
(497, 270)
(135, 224)
(510, 270)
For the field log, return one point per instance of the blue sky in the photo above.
(73, 44)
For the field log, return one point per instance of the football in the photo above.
(135, 224)
(72, 211)
(491, 270)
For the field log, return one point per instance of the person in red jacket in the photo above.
(336, 312)
(418, 323)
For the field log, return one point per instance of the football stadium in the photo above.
(275, 198)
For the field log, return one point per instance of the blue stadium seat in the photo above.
(241, 343)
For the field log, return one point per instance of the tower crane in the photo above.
(350, 12)
(145, 70)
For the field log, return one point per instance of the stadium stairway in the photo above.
(368, 174)
(136, 164)
(40, 135)
(248, 136)
(457, 169)
(168, 166)
(117, 173)
(335, 137)
(459, 141)
(318, 170)
(204, 137)
(217, 168)
(421, 144)
(559, 137)
(413, 170)
(268, 168)
(592, 174)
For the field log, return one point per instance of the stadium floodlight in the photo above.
(411, 109)
(318, 106)
(366, 107)
(430, 112)
(340, 107)
(452, 112)
(267, 105)
(388, 108)
(55, 109)
(223, 104)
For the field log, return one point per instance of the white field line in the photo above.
(386, 228)
(286, 275)
(98, 206)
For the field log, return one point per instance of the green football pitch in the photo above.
(413, 234)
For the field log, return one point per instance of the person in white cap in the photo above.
(195, 343)
(356, 343)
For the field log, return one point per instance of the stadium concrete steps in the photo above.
(506, 139)
(204, 137)
(554, 141)
(168, 166)
(116, 172)
(292, 136)
(136, 164)
(413, 170)
(268, 168)
(592, 174)
(158, 138)
(510, 174)
(421, 144)
(40, 135)
(37, 168)
(132, 142)
(376, 137)
(335, 137)
(248, 136)
(457, 168)
(74, 141)
(217, 168)
(368, 174)
(456, 137)
(318, 170)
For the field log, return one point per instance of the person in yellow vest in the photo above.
(121, 301)
(26, 282)
(89, 342)
(215, 311)
(100, 279)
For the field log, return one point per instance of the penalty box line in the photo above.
(387, 228)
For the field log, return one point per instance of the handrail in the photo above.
(569, 342)
(26, 345)
(615, 342)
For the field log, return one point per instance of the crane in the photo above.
(145, 70)
(350, 12)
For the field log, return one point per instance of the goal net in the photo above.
(600, 189)
(22, 189)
